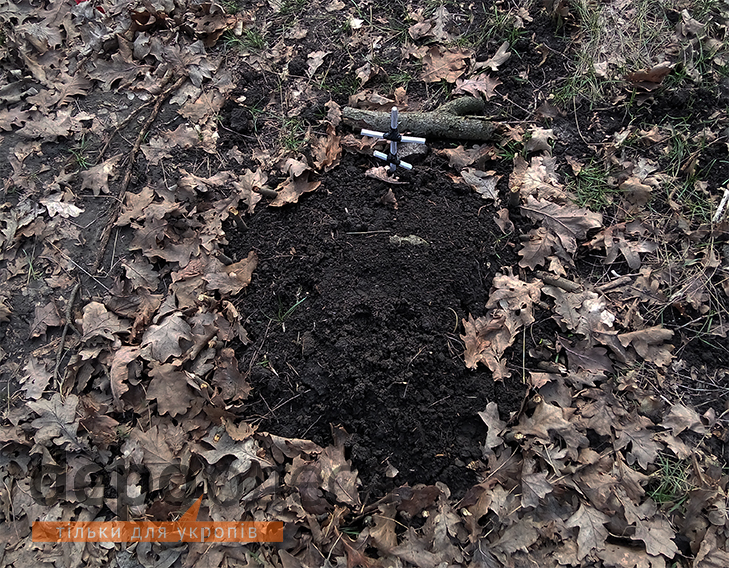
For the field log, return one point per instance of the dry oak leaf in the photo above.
(534, 486)
(382, 173)
(97, 178)
(631, 480)
(338, 477)
(119, 372)
(541, 244)
(537, 178)
(420, 29)
(146, 306)
(118, 69)
(644, 449)
(615, 243)
(192, 183)
(568, 222)
(619, 556)
(447, 65)
(40, 35)
(141, 274)
(446, 527)
(45, 317)
(164, 338)
(581, 356)
(292, 447)
(649, 344)
(510, 293)
(239, 432)
(101, 428)
(245, 452)
(247, 187)
(602, 413)
(436, 27)
(709, 554)
(158, 456)
(206, 105)
(582, 312)
(500, 57)
(496, 426)
(227, 377)
(649, 79)
(366, 72)
(36, 380)
(539, 140)
(327, 150)
(415, 551)
(55, 206)
(460, 157)
(13, 117)
(382, 534)
(484, 341)
(548, 419)
(636, 193)
(135, 205)
(50, 127)
(593, 533)
(64, 87)
(657, 534)
(159, 147)
(316, 58)
(680, 450)
(519, 536)
(483, 183)
(334, 113)
(97, 321)
(56, 421)
(681, 418)
(504, 223)
(481, 84)
(293, 188)
(169, 387)
(305, 476)
(234, 277)
(371, 101)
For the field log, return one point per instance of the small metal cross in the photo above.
(394, 137)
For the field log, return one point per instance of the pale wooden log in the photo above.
(448, 121)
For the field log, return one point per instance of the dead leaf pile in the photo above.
(150, 409)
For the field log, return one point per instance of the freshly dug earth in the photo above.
(372, 342)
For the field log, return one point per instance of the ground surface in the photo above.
(514, 354)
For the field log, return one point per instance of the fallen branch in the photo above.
(451, 120)
(121, 126)
(69, 324)
(721, 210)
(559, 282)
(115, 209)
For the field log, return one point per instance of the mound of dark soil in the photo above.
(373, 345)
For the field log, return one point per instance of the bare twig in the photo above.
(69, 309)
(621, 281)
(721, 210)
(121, 126)
(81, 268)
(559, 281)
(115, 209)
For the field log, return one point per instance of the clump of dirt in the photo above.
(352, 325)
